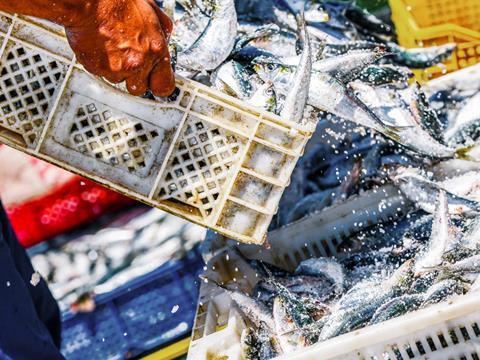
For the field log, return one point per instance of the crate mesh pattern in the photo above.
(188, 155)
(28, 83)
(113, 138)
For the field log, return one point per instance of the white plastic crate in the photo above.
(450, 330)
(201, 155)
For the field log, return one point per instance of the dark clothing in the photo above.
(29, 315)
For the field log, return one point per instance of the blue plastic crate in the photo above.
(147, 313)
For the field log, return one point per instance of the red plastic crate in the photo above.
(53, 201)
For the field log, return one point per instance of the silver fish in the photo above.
(442, 238)
(216, 42)
(471, 237)
(467, 79)
(466, 185)
(254, 310)
(233, 79)
(296, 99)
(290, 332)
(265, 98)
(468, 265)
(422, 57)
(350, 314)
(442, 291)
(318, 201)
(424, 193)
(327, 268)
(397, 307)
(406, 128)
(467, 121)
(386, 74)
(343, 67)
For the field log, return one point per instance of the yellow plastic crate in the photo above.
(423, 23)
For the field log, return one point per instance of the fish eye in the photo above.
(269, 91)
(270, 67)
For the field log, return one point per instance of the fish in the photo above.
(296, 98)
(215, 43)
(466, 185)
(428, 116)
(295, 317)
(424, 193)
(397, 307)
(404, 119)
(464, 266)
(233, 79)
(315, 287)
(329, 269)
(343, 67)
(261, 32)
(442, 239)
(368, 21)
(257, 312)
(471, 237)
(326, 94)
(464, 80)
(318, 201)
(385, 74)
(421, 58)
(443, 290)
(259, 344)
(358, 305)
(467, 123)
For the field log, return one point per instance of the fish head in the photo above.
(270, 70)
(402, 174)
(403, 277)
(265, 97)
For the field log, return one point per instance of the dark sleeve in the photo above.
(29, 316)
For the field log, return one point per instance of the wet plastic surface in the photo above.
(200, 154)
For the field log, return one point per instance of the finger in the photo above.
(115, 62)
(134, 61)
(138, 84)
(165, 22)
(162, 79)
(113, 78)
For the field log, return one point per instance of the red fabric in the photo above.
(70, 205)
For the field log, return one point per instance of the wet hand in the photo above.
(125, 40)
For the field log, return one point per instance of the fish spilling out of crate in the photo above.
(203, 155)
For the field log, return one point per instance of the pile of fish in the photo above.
(131, 245)
(302, 59)
(335, 61)
(330, 60)
(407, 265)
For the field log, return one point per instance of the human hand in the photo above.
(125, 40)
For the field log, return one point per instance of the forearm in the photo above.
(63, 12)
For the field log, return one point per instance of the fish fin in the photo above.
(464, 153)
